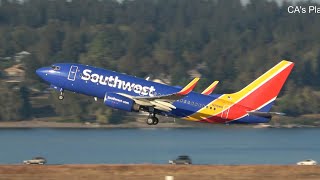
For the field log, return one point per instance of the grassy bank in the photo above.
(150, 172)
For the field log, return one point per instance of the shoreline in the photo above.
(86, 125)
(132, 125)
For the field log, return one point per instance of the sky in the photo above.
(281, 1)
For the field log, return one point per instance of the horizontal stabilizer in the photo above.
(266, 114)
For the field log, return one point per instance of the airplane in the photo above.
(250, 105)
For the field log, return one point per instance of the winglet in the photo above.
(188, 88)
(210, 88)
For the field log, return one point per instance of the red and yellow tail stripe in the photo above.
(233, 106)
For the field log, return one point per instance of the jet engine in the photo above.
(120, 102)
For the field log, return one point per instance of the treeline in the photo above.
(222, 40)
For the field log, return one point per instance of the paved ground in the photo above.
(153, 172)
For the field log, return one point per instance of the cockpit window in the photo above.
(55, 68)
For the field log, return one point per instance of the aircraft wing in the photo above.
(210, 88)
(163, 102)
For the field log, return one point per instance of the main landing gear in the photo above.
(61, 96)
(152, 120)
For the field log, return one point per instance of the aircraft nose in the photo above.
(42, 72)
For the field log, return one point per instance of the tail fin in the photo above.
(260, 94)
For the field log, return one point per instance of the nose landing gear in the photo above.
(61, 96)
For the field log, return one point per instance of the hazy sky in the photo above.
(280, 1)
(243, 1)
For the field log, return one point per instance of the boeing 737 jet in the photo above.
(252, 104)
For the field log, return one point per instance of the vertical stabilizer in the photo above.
(260, 94)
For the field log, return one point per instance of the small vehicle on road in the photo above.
(307, 162)
(183, 159)
(36, 160)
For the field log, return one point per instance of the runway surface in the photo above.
(150, 172)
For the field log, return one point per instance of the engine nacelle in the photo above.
(120, 102)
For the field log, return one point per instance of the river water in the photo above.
(217, 145)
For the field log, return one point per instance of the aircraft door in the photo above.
(72, 73)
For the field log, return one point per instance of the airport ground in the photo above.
(153, 172)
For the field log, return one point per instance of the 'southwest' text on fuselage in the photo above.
(117, 83)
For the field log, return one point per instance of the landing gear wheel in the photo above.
(61, 97)
(155, 120)
(149, 121)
